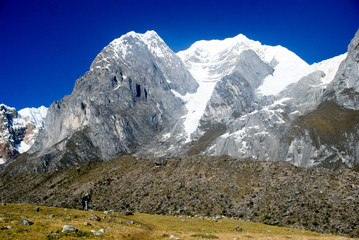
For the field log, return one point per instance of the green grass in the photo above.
(145, 226)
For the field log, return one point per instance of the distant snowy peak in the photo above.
(18, 130)
(209, 61)
(214, 49)
(31, 119)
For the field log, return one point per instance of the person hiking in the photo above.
(85, 201)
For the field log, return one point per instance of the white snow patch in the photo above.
(290, 69)
(281, 101)
(23, 147)
(166, 136)
(2, 161)
(329, 67)
(34, 115)
(196, 105)
(150, 39)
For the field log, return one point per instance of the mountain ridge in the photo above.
(141, 98)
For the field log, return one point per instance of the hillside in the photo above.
(275, 193)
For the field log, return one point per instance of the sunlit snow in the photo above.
(23, 147)
(289, 70)
(35, 115)
(329, 67)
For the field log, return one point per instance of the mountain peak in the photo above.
(144, 37)
(211, 48)
(150, 33)
(124, 45)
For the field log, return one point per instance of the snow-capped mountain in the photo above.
(210, 61)
(19, 130)
(234, 96)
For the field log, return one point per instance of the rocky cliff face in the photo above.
(18, 130)
(235, 97)
(120, 105)
(328, 135)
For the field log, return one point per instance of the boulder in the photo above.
(96, 233)
(25, 222)
(160, 162)
(93, 217)
(109, 212)
(69, 228)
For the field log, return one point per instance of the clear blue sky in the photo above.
(45, 45)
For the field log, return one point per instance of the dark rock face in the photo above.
(8, 137)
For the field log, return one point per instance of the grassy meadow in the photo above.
(49, 221)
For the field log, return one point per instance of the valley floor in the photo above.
(48, 223)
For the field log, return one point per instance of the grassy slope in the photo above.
(145, 226)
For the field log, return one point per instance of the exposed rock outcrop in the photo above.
(18, 130)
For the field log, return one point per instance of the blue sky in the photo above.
(46, 45)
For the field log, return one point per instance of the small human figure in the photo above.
(85, 201)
